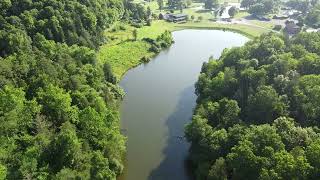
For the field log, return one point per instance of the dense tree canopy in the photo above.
(313, 17)
(211, 4)
(260, 7)
(72, 22)
(257, 114)
(58, 106)
(301, 5)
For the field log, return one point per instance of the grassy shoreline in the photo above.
(123, 53)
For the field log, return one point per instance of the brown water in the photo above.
(160, 100)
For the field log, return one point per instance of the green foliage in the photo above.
(277, 27)
(160, 4)
(261, 7)
(210, 4)
(313, 17)
(258, 113)
(100, 169)
(135, 34)
(65, 148)
(135, 12)
(232, 11)
(165, 39)
(301, 5)
(3, 172)
(265, 105)
(72, 22)
(218, 170)
(58, 106)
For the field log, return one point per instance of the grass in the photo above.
(116, 35)
(124, 56)
(241, 14)
(122, 53)
(249, 31)
(265, 24)
(153, 31)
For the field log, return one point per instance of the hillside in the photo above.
(58, 107)
(257, 114)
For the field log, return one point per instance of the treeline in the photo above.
(312, 18)
(261, 7)
(136, 14)
(72, 22)
(257, 114)
(309, 9)
(58, 107)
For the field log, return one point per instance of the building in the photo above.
(281, 17)
(174, 17)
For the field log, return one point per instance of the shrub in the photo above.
(137, 25)
(145, 59)
(277, 27)
(122, 28)
(155, 48)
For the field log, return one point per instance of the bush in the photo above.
(192, 17)
(155, 48)
(114, 29)
(155, 16)
(187, 18)
(149, 40)
(122, 28)
(145, 59)
(112, 38)
(165, 39)
(277, 27)
(137, 25)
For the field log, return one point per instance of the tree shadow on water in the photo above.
(174, 165)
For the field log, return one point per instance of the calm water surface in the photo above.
(160, 100)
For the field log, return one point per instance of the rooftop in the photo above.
(178, 15)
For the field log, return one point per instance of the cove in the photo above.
(160, 100)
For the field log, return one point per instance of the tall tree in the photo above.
(160, 4)
(211, 4)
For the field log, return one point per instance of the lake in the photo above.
(160, 100)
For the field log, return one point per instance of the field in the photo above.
(124, 56)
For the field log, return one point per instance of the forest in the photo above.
(257, 114)
(58, 107)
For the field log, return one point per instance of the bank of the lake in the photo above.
(122, 53)
(159, 101)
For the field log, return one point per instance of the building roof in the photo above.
(179, 15)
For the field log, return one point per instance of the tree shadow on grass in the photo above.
(175, 166)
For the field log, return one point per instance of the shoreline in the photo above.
(120, 65)
(137, 61)
(248, 35)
